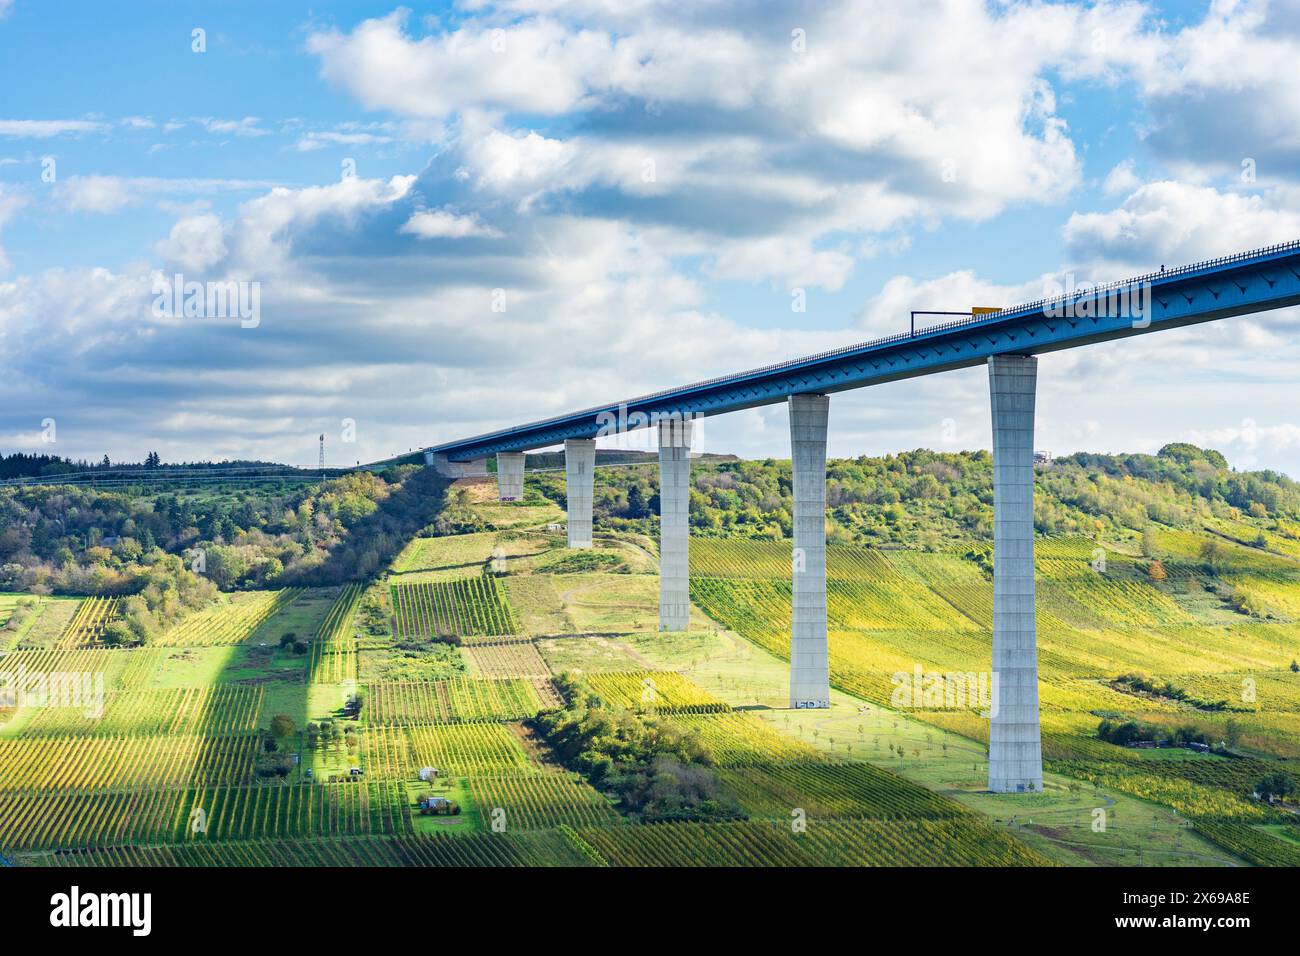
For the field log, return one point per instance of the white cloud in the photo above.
(110, 194)
(194, 243)
(315, 140)
(890, 310)
(10, 203)
(534, 65)
(1121, 179)
(441, 224)
(248, 126)
(1173, 223)
(884, 95)
(44, 129)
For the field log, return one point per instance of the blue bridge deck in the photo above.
(1254, 281)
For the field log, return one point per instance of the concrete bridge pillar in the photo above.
(809, 658)
(579, 475)
(510, 475)
(1015, 754)
(674, 526)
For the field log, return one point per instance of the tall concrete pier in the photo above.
(510, 475)
(674, 526)
(579, 474)
(1015, 754)
(809, 663)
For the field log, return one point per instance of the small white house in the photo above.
(428, 773)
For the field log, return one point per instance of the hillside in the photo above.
(567, 730)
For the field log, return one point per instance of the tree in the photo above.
(118, 633)
(1212, 554)
(1232, 732)
(282, 725)
(1156, 570)
(105, 463)
(1276, 786)
(636, 502)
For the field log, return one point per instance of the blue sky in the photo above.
(645, 190)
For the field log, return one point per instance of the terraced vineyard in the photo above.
(532, 801)
(230, 623)
(88, 624)
(214, 711)
(34, 820)
(1095, 622)
(334, 648)
(965, 842)
(468, 606)
(412, 703)
(458, 749)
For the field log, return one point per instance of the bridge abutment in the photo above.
(579, 475)
(1015, 753)
(809, 657)
(674, 524)
(510, 475)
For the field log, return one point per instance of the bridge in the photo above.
(1007, 341)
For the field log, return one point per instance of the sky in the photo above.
(442, 219)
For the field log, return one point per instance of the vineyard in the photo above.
(172, 763)
(104, 818)
(960, 842)
(664, 692)
(531, 801)
(229, 623)
(412, 703)
(334, 648)
(512, 659)
(448, 609)
(458, 749)
(88, 624)
(214, 711)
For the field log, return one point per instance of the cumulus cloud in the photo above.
(604, 167)
(194, 243)
(1173, 223)
(870, 113)
(441, 224)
